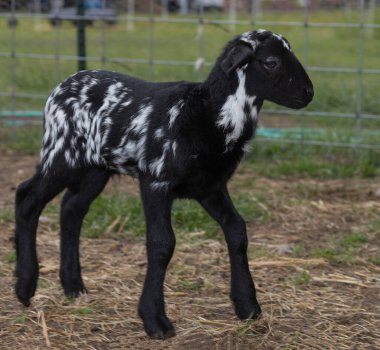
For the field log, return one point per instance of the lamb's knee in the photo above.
(236, 234)
(161, 250)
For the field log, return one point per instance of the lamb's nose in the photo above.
(309, 92)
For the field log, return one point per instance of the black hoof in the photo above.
(25, 289)
(162, 335)
(247, 310)
(25, 302)
(159, 328)
(73, 288)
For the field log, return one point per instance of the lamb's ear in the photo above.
(237, 57)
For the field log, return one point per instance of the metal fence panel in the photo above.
(339, 44)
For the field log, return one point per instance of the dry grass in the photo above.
(308, 302)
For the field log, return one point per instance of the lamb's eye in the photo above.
(271, 63)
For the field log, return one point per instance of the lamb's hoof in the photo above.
(24, 301)
(160, 335)
(247, 310)
(73, 288)
(25, 289)
(161, 328)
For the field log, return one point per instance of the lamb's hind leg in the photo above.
(75, 205)
(31, 197)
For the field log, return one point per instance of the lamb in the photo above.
(180, 139)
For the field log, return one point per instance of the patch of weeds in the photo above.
(375, 227)
(252, 207)
(10, 258)
(189, 216)
(6, 215)
(189, 285)
(301, 278)
(20, 319)
(116, 214)
(274, 160)
(354, 240)
(120, 215)
(326, 253)
(343, 251)
(298, 249)
(369, 166)
(26, 139)
(375, 260)
(84, 310)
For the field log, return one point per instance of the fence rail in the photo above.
(357, 71)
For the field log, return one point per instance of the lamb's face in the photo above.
(276, 74)
(272, 71)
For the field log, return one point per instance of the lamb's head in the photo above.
(272, 71)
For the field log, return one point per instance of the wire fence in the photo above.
(338, 41)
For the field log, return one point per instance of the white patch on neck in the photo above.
(232, 114)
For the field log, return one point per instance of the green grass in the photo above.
(354, 240)
(276, 160)
(301, 278)
(6, 214)
(26, 139)
(375, 226)
(115, 214)
(189, 285)
(85, 310)
(346, 250)
(10, 258)
(21, 319)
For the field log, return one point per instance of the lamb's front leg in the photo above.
(243, 293)
(160, 243)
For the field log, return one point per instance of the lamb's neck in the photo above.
(236, 110)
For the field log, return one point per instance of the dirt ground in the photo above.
(309, 301)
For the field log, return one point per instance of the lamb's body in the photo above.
(130, 126)
(179, 139)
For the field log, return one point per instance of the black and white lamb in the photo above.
(180, 139)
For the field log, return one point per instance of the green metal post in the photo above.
(81, 35)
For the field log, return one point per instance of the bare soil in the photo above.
(308, 302)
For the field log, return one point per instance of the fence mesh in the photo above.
(338, 41)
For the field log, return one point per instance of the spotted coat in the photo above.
(130, 126)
